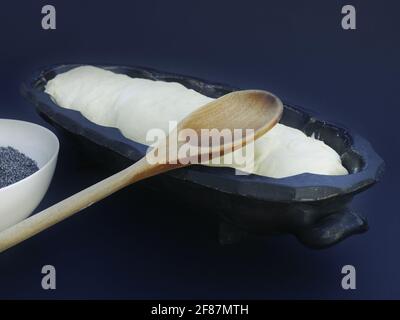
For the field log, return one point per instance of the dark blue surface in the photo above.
(140, 244)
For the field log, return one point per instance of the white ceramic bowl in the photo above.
(18, 200)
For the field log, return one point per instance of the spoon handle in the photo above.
(81, 200)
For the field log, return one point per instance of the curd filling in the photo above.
(135, 105)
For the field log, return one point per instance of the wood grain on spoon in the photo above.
(250, 109)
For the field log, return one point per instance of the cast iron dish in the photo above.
(312, 207)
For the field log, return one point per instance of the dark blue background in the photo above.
(141, 244)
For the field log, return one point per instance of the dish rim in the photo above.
(303, 187)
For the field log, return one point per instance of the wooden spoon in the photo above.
(250, 109)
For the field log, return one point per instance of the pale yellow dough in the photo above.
(136, 105)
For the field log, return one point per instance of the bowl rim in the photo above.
(47, 164)
(305, 187)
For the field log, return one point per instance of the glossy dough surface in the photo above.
(135, 106)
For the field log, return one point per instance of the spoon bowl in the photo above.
(250, 112)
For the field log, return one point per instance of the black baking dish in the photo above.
(312, 207)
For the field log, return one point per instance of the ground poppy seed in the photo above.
(14, 166)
